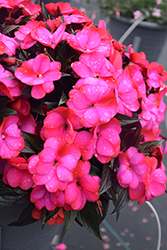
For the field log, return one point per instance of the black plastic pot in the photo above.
(147, 37)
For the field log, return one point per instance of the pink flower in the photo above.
(94, 102)
(39, 73)
(59, 8)
(153, 185)
(30, 9)
(8, 45)
(133, 167)
(24, 34)
(62, 246)
(16, 174)
(27, 123)
(156, 12)
(127, 93)
(13, 86)
(137, 14)
(83, 188)
(43, 198)
(93, 65)
(107, 140)
(45, 37)
(60, 122)
(9, 4)
(54, 165)
(11, 142)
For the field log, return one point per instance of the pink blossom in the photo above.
(16, 174)
(24, 34)
(133, 167)
(137, 14)
(78, 17)
(62, 246)
(22, 106)
(63, 8)
(54, 165)
(39, 73)
(93, 65)
(30, 9)
(8, 45)
(43, 198)
(156, 12)
(107, 140)
(27, 123)
(9, 4)
(13, 86)
(11, 142)
(94, 102)
(158, 2)
(45, 37)
(83, 188)
(60, 122)
(127, 93)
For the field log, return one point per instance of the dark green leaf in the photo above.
(25, 217)
(105, 203)
(69, 218)
(52, 105)
(95, 171)
(9, 195)
(34, 140)
(36, 106)
(122, 199)
(105, 183)
(47, 215)
(89, 218)
(125, 120)
(4, 112)
(147, 146)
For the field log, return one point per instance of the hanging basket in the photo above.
(27, 237)
(147, 37)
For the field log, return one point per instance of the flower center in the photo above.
(40, 76)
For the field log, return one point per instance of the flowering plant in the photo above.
(79, 117)
(153, 10)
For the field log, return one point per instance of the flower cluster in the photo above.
(80, 115)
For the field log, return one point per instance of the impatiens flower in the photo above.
(60, 122)
(133, 167)
(16, 174)
(94, 102)
(153, 185)
(23, 34)
(30, 9)
(42, 198)
(13, 86)
(45, 37)
(83, 188)
(11, 142)
(137, 14)
(62, 246)
(9, 4)
(54, 165)
(27, 123)
(93, 65)
(8, 45)
(39, 73)
(59, 8)
(156, 12)
(126, 90)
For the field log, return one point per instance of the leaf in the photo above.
(63, 99)
(105, 203)
(95, 171)
(36, 106)
(10, 28)
(9, 195)
(69, 218)
(125, 120)
(25, 217)
(105, 183)
(122, 199)
(47, 215)
(89, 218)
(35, 142)
(4, 112)
(147, 146)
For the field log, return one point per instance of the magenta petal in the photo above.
(83, 37)
(69, 161)
(135, 181)
(64, 174)
(157, 188)
(104, 147)
(37, 92)
(48, 202)
(94, 40)
(80, 101)
(80, 201)
(125, 178)
(71, 193)
(52, 185)
(89, 183)
(82, 70)
(158, 175)
(42, 179)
